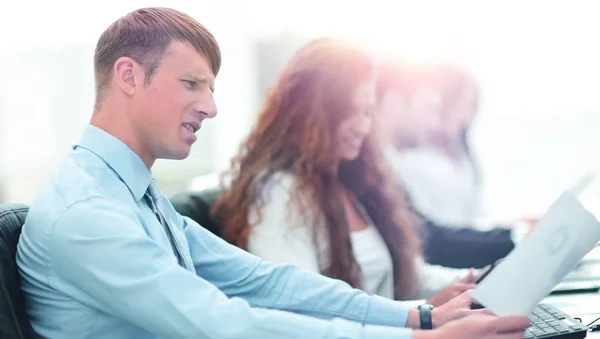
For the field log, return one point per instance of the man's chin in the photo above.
(179, 155)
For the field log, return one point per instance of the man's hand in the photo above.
(482, 272)
(482, 325)
(453, 290)
(457, 308)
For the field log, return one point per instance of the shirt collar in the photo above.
(119, 157)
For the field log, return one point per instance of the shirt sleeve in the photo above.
(291, 285)
(263, 284)
(101, 256)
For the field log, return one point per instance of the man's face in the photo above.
(170, 109)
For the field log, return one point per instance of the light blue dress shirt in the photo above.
(97, 263)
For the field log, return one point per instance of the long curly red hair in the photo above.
(295, 133)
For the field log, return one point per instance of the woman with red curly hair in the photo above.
(310, 186)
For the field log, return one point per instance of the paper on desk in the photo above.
(561, 239)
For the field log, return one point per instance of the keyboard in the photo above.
(550, 322)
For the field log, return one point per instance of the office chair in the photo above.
(196, 205)
(13, 319)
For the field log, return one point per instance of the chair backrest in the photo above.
(13, 319)
(196, 205)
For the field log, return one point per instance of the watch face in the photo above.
(426, 306)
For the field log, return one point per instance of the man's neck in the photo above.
(117, 125)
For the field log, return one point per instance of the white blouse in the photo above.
(283, 236)
(374, 260)
(443, 190)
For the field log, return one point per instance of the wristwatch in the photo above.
(425, 316)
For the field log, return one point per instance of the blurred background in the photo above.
(537, 130)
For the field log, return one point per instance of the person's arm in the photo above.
(284, 286)
(101, 256)
(289, 288)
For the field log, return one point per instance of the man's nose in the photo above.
(207, 106)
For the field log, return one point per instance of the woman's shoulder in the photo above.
(276, 202)
(281, 179)
(278, 184)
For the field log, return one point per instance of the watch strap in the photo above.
(425, 317)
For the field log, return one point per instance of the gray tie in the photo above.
(152, 197)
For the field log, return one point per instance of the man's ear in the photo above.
(125, 70)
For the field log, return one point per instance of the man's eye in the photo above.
(190, 84)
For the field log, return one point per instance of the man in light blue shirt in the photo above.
(103, 254)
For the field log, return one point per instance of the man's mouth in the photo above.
(192, 127)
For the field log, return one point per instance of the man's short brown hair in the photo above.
(144, 35)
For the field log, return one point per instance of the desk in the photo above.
(582, 305)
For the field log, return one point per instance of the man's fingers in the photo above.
(469, 278)
(507, 325)
(481, 272)
(467, 293)
(461, 287)
(482, 311)
(516, 335)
